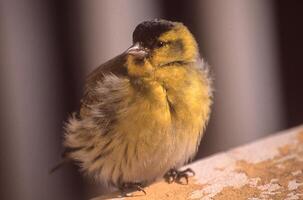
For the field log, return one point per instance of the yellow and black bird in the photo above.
(143, 113)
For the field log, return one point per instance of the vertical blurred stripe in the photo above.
(240, 44)
(290, 30)
(30, 102)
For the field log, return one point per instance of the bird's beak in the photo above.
(137, 50)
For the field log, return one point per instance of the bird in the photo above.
(144, 112)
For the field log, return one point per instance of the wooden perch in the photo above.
(271, 168)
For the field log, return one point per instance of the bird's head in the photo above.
(159, 43)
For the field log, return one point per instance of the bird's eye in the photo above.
(160, 44)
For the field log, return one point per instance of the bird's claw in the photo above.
(174, 175)
(131, 186)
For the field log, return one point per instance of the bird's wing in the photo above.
(114, 66)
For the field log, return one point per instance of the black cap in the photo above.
(147, 32)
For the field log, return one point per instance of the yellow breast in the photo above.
(188, 92)
(166, 115)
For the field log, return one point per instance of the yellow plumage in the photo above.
(144, 112)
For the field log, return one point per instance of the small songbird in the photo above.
(143, 113)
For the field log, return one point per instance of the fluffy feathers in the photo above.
(141, 117)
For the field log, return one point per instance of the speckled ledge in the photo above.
(271, 168)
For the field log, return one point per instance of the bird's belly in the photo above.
(148, 159)
(151, 143)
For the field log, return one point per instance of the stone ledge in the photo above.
(271, 168)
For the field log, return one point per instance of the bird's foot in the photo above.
(126, 187)
(175, 175)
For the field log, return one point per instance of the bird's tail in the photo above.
(65, 158)
(59, 165)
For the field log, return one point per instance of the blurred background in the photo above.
(48, 47)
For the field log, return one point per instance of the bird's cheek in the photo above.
(161, 58)
(157, 58)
